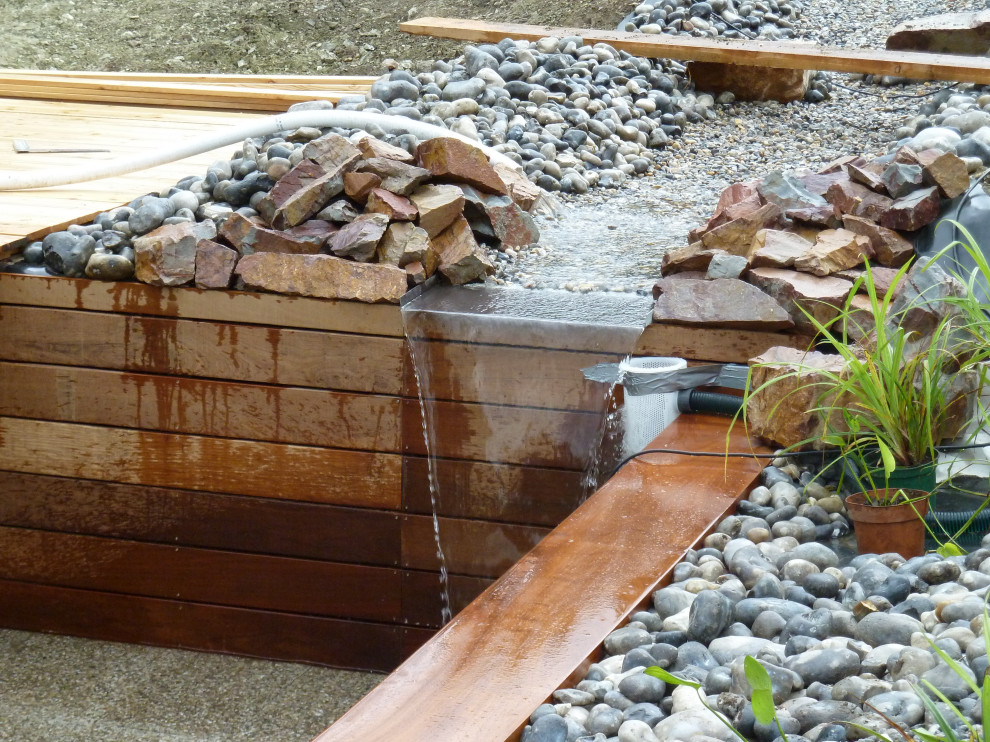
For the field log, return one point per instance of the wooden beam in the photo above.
(484, 673)
(787, 55)
(325, 81)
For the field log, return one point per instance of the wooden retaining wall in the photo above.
(245, 473)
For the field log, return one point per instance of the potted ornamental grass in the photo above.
(901, 382)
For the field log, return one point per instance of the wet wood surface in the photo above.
(242, 307)
(485, 672)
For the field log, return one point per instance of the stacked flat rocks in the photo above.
(956, 121)
(832, 638)
(798, 240)
(312, 214)
(573, 115)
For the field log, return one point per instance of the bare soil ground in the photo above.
(256, 36)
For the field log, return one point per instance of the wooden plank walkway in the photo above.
(787, 55)
(124, 130)
(484, 673)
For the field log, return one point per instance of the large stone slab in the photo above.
(820, 297)
(913, 211)
(720, 302)
(857, 199)
(781, 412)
(776, 248)
(736, 237)
(693, 257)
(332, 152)
(322, 276)
(948, 33)
(438, 205)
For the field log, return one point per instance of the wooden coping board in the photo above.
(482, 675)
(782, 54)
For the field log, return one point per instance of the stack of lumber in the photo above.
(229, 92)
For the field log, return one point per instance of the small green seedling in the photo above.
(762, 694)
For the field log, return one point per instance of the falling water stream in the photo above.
(462, 343)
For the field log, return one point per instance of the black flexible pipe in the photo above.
(695, 400)
(952, 520)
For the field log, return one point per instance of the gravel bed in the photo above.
(840, 639)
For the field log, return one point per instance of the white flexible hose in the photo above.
(11, 181)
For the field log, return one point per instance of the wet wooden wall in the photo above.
(245, 473)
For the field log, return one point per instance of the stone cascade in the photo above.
(801, 239)
(327, 216)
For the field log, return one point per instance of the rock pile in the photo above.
(840, 643)
(956, 121)
(800, 237)
(731, 19)
(323, 216)
(573, 115)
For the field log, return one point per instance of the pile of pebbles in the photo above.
(954, 120)
(832, 636)
(730, 19)
(573, 115)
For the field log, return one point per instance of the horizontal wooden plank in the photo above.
(503, 435)
(176, 404)
(203, 349)
(211, 79)
(503, 655)
(203, 519)
(201, 463)
(782, 54)
(243, 307)
(422, 601)
(495, 492)
(351, 645)
(470, 547)
(201, 575)
(712, 344)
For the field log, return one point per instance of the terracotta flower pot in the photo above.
(883, 528)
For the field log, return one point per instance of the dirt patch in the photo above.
(251, 36)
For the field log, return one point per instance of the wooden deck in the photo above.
(124, 130)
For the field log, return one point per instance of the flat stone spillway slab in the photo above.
(483, 674)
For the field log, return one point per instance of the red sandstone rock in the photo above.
(821, 297)
(372, 147)
(359, 239)
(397, 208)
(509, 224)
(693, 257)
(405, 243)
(721, 302)
(865, 176)
(523, 191)
(819, 216)
(736, 237)
(945, 170)
(332, 152)
(853, 198)
(248, 236)
(359, 185)
(835, 250)
(451, 159)
(780, 412)
(322, 276)
(775, 248)
(947, 33)
(299, 194)
(901, 178)
(839, 165)
(438, 206)
(913, 211)
(750, 83)
(461, 260)
(214, 265)
(890, 248)
(415, 273)
(167, 256)
(818, 183)
(737, 193)
(397, 177)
